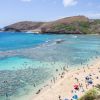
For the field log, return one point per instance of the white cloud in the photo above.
(67, 3)
(26, 0)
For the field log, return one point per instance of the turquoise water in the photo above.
(28, 59)
(16, 63)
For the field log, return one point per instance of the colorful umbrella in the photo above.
(76, 87)
(75, 97)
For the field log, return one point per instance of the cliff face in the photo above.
(69, 25)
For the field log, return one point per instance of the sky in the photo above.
(12, 11)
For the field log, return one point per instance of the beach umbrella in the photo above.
(75, 97)
(90, 81)
(76, 87)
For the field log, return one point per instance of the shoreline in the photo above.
(62, 86)
(50, 33)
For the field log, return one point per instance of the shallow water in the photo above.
(30, 59)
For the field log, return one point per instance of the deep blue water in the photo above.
(10, 41)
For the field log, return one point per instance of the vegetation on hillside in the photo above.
(82, 27)
(93, 94)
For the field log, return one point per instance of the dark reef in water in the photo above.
(13, 80)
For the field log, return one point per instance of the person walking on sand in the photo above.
(60, 97)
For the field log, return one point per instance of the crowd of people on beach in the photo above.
(80, 85)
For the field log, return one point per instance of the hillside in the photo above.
(68, 25)
(23, 26)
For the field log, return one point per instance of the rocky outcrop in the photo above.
(69, 25)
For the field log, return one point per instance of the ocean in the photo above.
(28, 60)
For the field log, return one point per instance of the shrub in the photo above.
(90, 95)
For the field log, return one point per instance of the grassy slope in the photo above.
(93, 94)
(82, 27)
(76, 24)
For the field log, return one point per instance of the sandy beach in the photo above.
(63, 86)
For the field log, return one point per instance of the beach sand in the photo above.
(63, 86)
